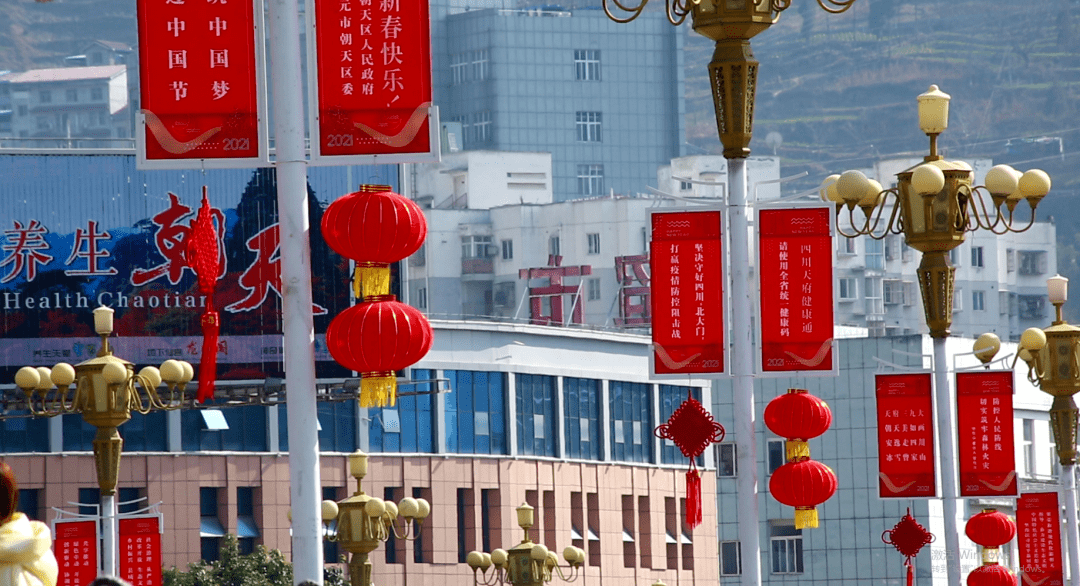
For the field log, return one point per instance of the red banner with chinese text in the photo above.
(373, 65)
(140, 550)
(1038, 531)
(687, 292)
(905, 421)
(795, 254)
(199, 80)
(984, 416)
(75, 548)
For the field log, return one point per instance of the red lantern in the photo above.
(374, 227)
(991, 575)
(376, 338)
(803, 484)
(798, 416)
(990, 528)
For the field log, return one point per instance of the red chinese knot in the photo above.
(692, 429)
(908, 537)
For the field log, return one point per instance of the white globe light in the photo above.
(114, 372)
(27, 378)
(828, 184)
(408, 507)
(539, 552)
(498, 557)
(45, 378)
(851, 186)
(171, 371)
(927, 180)
(151, 375)
(986, 347)
(189, 371)
(63, 374)
(1001, 180)
(1033, 339)
(1034, 183)
(375, 508)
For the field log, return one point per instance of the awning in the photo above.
(214, 420)
(210, 527)
(246, 527)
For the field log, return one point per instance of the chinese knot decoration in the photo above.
(692, 429)
(375, 227)
(203, 256)
(801, 482)
(991, 529)
(908, 537)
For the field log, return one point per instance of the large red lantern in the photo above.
(374, 227)
(798, 416)
(803, 484)
(376, 338)
(991, 575)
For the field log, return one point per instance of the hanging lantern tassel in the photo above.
(378, 389)
(797, 449)
(211, 326)
(693, 498)
(371, 279)
(806, 517)
(908, 537)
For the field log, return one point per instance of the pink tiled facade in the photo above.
(614, 502)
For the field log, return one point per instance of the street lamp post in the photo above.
(733, 74)
(934, 206)
(525, 564)
(1053, 360)
(364, 522)
(106, 390)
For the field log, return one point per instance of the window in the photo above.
(421, 298)
(730, 562)
(894, 292)
(42, 122)
(331, 552)
(424, 541)
(1027, 447)
(1010, 260)
(629, 555)
(1032, 262)
(685, 186)
(594, 289)
(958, 300)
(536, 414)
(581, 414)
(631, 421)
(845, 246)
(777, 454)
(210, 528)
(588, 126)
(553, 246)
(1003, 302)
(21, 109)
(482, 126)
(45, 97)
(507, 249)
(587, 64)
(875, 300)
(786, 548)
(466, 533)
(475, 246)
(505, 294)
(458, 69)
(594, 243)
(490, 519)
(846, 289)
(475, 414)
(892, 247)
(954, 257)
(909, 293)
(875, 254)
(977, 256)
(726, 466)
(246, 529)
(30, 502)
(480, 65)
(590, 179)
(402, 428)
(72, 95)
(671, 397)
(97, 93)
(978, 301)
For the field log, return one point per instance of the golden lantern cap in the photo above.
(525, 516)
(1057, 288)
(358, 464)
(103, 320)
(934, 110)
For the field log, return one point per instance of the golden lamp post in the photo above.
(364, 522)
(525, 564)
(935, 205)
(105, 390)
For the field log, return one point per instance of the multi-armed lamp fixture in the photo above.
(525, 564)
(1053, 359)
(106, 390)
(364, 522)
(733, 70)
(934, 206)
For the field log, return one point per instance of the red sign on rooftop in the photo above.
(373, 71)
(687, 292)
(199, 81)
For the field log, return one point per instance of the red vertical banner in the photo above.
(687, 292)
(1038, 531)
(795, 268)
(905, 421)
(140, 550)
(984, 417)
(75, 548)
(199, 80)
(373, 77)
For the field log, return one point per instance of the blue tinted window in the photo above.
(671, 397)
(476, 412)
(631, 422)
(145, 433)
(407, 426)
(535, 415)
(24, 434)
(78, 434)
(246, 433)
(581, 411)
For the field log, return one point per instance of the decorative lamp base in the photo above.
(936, 278)
(733, 74)
(1063, 420)
(108, 445)
(378, 389)
(359, 570)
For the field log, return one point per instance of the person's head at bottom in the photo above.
(109, 581)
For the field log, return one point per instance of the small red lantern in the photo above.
(376, 338)
(374, 227)
(991, 575)
(990, 529)
(798, 416)
(803, 484)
